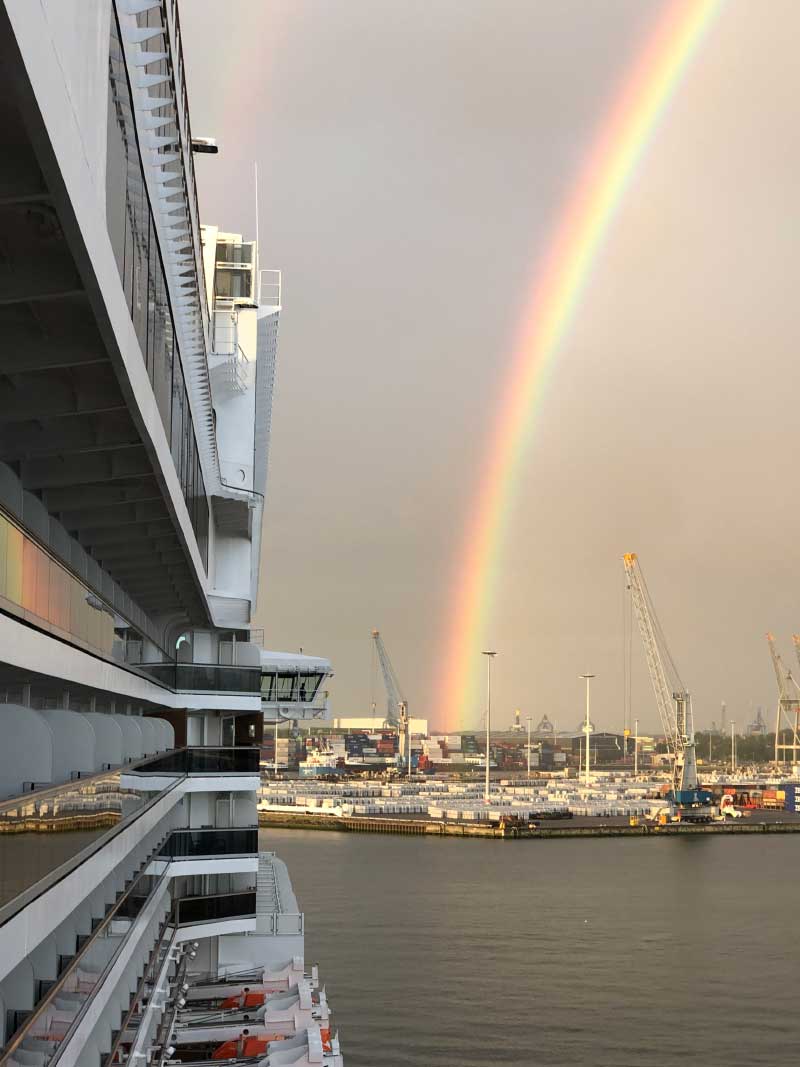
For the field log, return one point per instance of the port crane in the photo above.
(787, 715)
(396, 703)
(672, 697)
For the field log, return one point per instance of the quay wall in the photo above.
(384, 825)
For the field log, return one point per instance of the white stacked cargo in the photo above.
(606, 798)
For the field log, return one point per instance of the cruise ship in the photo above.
(139, 922)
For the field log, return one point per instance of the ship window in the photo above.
(308, 684)
(233, 284)
(287, 686)
(228, 252)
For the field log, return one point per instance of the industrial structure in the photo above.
(396, 703)
(758, 727)
(787, 712)
(672, 698)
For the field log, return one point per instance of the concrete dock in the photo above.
(564, 828)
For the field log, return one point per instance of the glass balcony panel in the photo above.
(37, 582)
(186, 844)
(206, 760)
(89, 809)
(216, 678)
(211, 908)
(14, 564)
(56, 1015)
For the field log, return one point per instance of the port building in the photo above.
(136, 382)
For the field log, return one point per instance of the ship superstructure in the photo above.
(135, 397)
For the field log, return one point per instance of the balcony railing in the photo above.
(46, 871)
(56, 1016)
(136, 1004)
(188, 844)
(206, 760)
(215, 908)
(203, 677)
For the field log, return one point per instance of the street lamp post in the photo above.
(529, 746)
(636, 749)
(489, 657)
(587, 726)
(733, 746)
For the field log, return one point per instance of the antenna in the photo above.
(258, 246)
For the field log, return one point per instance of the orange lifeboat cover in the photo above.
(251, 1046)
(243, 1000)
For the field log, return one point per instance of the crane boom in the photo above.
(396, 703)
(796, 642)
(787, 716)
(394, 694)
(673, 701)
(777, 665)
(655, 665)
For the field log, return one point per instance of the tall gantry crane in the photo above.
(396, 703)
(787, 715)
(673, 700)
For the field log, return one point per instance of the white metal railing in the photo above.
(269, 288)
(280, 924)
(225, 344)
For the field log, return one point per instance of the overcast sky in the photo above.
(413, 157)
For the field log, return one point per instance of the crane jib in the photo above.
(673, 701)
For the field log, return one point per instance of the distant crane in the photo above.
(396, 703)
(787, 715)
(757, 728)
(796, 643)
(672, 698)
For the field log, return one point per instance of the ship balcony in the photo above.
(91, 998)
(240, 759)
(206, 769)
(69, 975)
(200, 677)
(41, 889)
(208, 851)
(212, 841)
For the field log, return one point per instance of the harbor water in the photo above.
(599, 953)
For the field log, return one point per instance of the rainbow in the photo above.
(560, 281)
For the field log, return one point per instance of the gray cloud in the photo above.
(413, 159)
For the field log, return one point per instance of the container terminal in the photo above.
(593, 776)
(561, 806)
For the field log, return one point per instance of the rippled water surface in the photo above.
(608, 952)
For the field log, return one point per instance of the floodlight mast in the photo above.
(489, 657)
